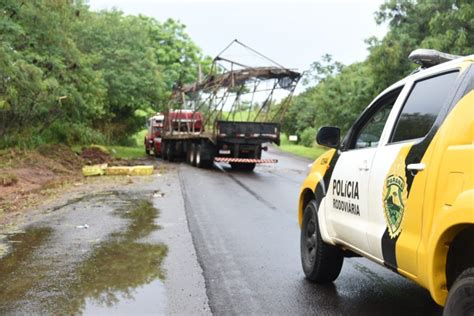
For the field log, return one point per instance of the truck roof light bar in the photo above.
(430, 57)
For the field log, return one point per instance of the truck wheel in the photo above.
(461, 295)
(192, 155)
(170, 152)
(147, 151)
(321, 262)
(200, 162)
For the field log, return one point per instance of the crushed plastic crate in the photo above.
(141, 170)
(118, 171)
(129, 171)
(95, 170)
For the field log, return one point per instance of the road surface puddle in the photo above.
(121, 273)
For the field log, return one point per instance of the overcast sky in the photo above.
(294, 33)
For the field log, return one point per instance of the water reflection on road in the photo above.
(118, 269)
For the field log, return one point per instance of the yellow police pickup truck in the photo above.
(399, 187)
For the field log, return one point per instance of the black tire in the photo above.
(199, 161)
(461, 295)
(170, 153)
(321, 262)
(147, 151)
(191, 155)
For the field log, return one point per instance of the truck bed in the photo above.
(252, 132)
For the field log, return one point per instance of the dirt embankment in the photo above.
(28, 176)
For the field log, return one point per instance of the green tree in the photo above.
(40, 64)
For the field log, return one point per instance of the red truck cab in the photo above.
(154, 133)
(187, 121)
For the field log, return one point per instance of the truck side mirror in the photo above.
(329, 136)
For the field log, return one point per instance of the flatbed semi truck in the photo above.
(229, 115)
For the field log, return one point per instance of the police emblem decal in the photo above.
(394, 203)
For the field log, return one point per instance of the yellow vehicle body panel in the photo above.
(449, 196)
(315, 176)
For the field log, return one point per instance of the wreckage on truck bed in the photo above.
(228, 116)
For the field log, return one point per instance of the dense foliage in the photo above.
(71, 75)
(342, 92)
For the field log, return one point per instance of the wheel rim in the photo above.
(309, 241)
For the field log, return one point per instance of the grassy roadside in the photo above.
(122, 152)
(126, 152)
(300, 150)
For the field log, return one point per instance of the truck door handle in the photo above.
(415, 167)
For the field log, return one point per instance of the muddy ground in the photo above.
(102, 245)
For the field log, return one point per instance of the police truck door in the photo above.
(348, 195)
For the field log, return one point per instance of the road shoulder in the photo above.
(184, 282)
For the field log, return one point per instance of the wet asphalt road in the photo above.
(244, 228)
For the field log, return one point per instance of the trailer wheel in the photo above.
(200, 162)
(170, 154)
(321, 262)
(191, 157)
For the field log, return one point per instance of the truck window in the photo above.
(422, 107)
(374, 122)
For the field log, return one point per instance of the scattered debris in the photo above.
(95, 155)
(95, 170)
(68, 160)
